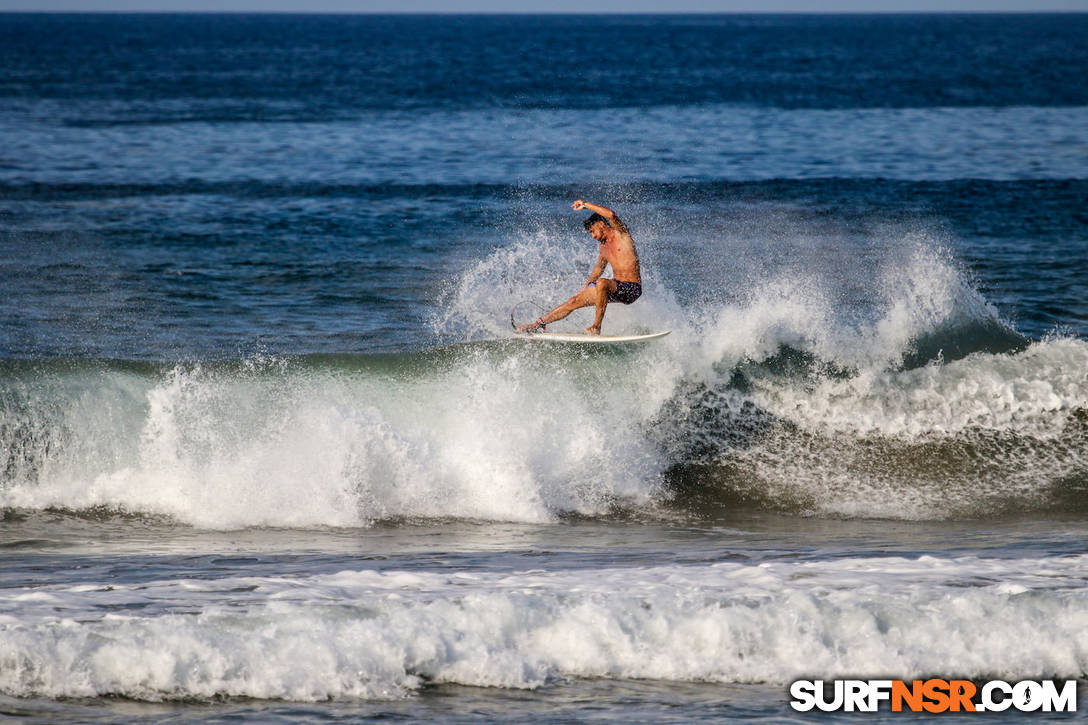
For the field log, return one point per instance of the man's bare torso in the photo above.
(619, 252)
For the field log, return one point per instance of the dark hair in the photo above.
(593, 220)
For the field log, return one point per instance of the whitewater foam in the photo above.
(296, 447)
(381, 634)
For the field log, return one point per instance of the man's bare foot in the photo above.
(531, 327)
(593, 330)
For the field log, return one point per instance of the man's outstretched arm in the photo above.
(603, 211)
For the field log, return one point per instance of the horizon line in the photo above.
(439, 13)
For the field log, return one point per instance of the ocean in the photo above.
(270, 453)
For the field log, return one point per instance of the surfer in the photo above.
(616, 248)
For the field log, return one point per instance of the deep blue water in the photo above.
(267, 450)
(323, 68)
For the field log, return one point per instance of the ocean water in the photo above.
(269, 453)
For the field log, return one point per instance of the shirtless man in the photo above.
(617, 249)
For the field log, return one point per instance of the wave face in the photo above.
(374, 634)
(922, 404)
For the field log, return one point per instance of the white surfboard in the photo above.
(585, 337)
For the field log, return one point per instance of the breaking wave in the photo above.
(899, 393)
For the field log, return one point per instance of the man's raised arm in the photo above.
(603, 211)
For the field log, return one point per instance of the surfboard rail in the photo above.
(586, 338)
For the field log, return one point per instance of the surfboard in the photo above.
(586, 338)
